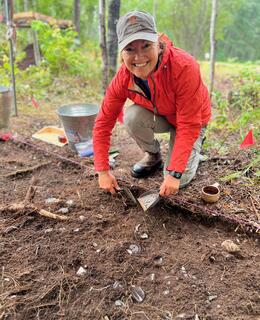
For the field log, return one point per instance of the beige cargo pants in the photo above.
(140, 125)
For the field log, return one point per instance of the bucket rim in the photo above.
(59, 110)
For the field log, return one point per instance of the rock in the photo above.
(230, 246)
(70, 203)
(52, 200)
(82, 218)
(134, 249)
(63, 210)
(117, 285)
(166, 292)
(212, 297)
(81, 272)
(158, 261)
(152, 276)
(183, 271)
(167, 316)
(144, 236)
(119, 303)
(212, 259)
(184, 316)
(137, 227)
(138, 294)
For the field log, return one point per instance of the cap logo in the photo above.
(132, 20)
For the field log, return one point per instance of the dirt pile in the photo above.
(110, 260)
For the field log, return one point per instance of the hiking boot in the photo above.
(146, 166)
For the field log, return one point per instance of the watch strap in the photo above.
(175, 174)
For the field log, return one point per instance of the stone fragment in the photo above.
(158, 261)
(152, 276)
(212, 297)
(119, 303)
(52, 200)
(167, 316)
(138, 294)
(230, 246)
(63, 210)
(70, 203)
(134, 249)
(184, 316)
(212, 259)
(184, 272)
(166, 292)
(82, 218)
(117, 285)
(81, 272)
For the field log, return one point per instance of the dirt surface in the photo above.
(166, 264)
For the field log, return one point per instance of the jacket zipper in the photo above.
(155, 112)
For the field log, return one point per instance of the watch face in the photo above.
(177, 175)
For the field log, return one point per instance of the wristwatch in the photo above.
(175, 174)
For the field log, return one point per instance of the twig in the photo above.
(64, 159)
(30, 192)
(253, 205)
(22, 206)
(48, 214)
(13, 207)
(26, 170)
(246, 224)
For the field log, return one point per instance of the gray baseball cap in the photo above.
(135, 25)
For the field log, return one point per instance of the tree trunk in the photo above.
(155, 6)
(76, 16)
(113, 15)
(102, 42)
(26, 5)
(212, 44)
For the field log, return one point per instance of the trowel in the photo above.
(148, 199)
(126, 194)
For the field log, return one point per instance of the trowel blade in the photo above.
(148, 199)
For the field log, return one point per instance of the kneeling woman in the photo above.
(165, 84)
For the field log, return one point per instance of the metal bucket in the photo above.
(78, 121)
(5, 106)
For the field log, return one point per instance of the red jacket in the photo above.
(177, 93)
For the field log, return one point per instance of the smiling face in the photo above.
(140, 57)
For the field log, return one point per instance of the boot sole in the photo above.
(146, 172)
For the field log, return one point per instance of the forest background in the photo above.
(71, 62)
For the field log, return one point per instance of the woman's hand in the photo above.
(169, 186)
(107, 181)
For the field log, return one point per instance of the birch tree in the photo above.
(103, 43)
(113, 15)
(212, 44)
(76, 16)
